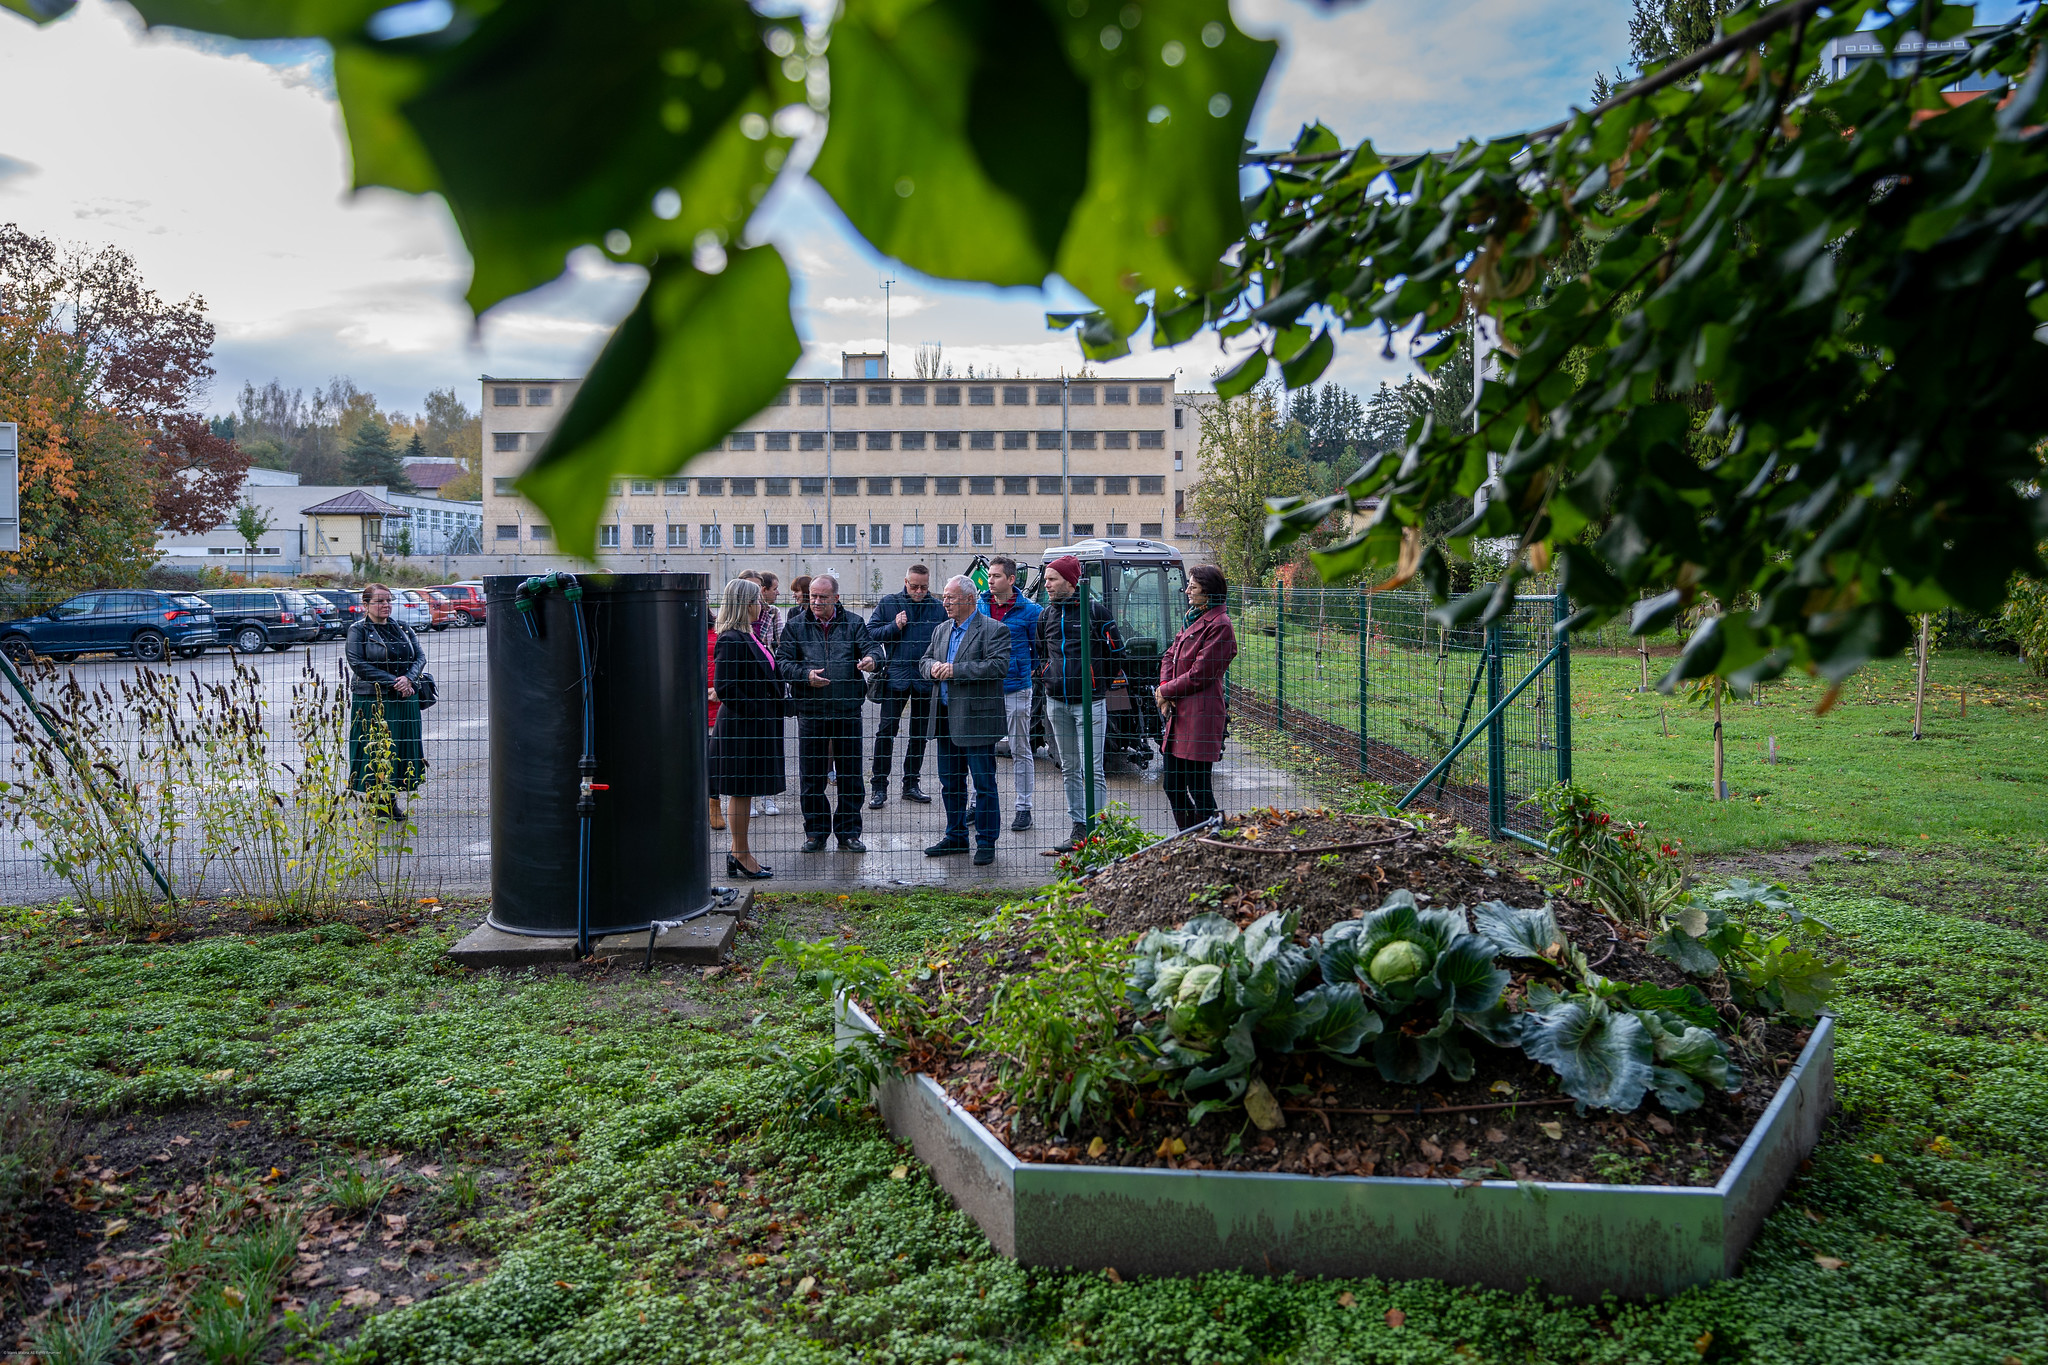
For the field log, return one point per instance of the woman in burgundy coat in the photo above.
(1190, 696)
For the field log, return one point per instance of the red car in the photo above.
(468, 601)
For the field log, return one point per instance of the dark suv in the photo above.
(333, 620)
(252, 619)
(348, 606)
(145, 625)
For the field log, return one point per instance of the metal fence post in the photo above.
(1280, 655)
(1560, 611)
(1364, 675)
(1496, 736)
(1087, 710)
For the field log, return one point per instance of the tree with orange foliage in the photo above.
(110, 374)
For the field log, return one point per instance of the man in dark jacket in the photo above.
(1067, 683)
(904, 622)
(823, 655)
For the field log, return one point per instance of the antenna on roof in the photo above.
(887, 285)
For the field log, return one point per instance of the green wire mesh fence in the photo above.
(1366, 685)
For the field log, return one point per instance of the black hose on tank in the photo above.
(525, 600)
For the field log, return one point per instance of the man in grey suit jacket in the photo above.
(967, 660)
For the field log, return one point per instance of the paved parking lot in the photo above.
(452, 813)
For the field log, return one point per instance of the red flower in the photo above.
(1601, 818)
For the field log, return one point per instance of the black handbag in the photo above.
(424, 690)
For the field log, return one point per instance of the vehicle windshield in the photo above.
(1148, 603)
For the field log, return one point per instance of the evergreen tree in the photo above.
(415, 449)
(372, 457)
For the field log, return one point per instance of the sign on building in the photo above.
(10, 488)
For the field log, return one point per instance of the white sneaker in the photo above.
(754, 808)
(768, 806)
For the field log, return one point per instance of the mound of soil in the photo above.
(1510, 1121)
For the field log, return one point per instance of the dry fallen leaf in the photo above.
(1395, 1317)
(1114, 1278)
(1501, 1088)
(1096, 1146)
(115, 1228)
(232, 1297)
(805, 1286)
(361, 1298)
(1706, 1339)
(1345, 1300)
(1829, 1262)
(1662, 1124)
(1496, 1135)
(180, 1140)
(1430, 1151)
(717, 1213)
(899, 1172)
(1553, 1131)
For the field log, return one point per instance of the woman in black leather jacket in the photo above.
(385, 751)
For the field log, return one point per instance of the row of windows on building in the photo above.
(906, 395)
(883, 486)
(846, 535)
(897, 440)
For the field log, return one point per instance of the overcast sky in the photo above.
(222, 168)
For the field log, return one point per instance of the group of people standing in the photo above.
(964, 664)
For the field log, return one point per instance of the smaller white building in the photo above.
(292, 545)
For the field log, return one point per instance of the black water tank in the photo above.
(650, 841)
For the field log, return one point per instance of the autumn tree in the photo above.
(86, 501)
(143, 360)
(1250, 452)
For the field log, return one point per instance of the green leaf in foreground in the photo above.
(697, 354)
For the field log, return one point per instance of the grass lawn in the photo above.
(1854, 775)
(595, 1167)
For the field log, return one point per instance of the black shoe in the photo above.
(815, 844)
(942, 848)
(881, 796)
(735, 868)
(1022, 822)
(1075, 839)
(912, 793)
(984, 854)
(852, 845)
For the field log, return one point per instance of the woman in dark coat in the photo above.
(385, 752)
(1190, 696)
(746, 743)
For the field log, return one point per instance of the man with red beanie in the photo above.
(1069, 687)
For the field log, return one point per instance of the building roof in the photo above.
(354, 503)
(433, 474)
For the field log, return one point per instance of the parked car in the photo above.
(410, 608)
(348, 605)
(255, 619)
(468, 601)
(333, 620)
(142, 624)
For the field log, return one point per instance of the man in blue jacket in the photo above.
(904, 622)
(1004, 603)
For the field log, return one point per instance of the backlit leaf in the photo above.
(697, 355)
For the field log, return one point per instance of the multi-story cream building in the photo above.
(865, 475)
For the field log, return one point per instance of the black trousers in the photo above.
(892, 721)
(1188, 790)
(824, 743)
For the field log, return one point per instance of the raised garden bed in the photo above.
(1465, 1088)
(1579, 1240)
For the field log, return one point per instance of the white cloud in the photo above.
(222, 167)
(900, 305)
